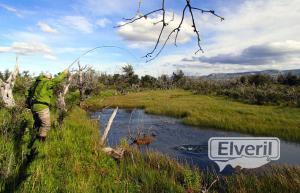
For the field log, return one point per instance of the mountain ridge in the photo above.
(270, 72)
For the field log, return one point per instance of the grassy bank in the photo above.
(208, 111)
(71, 161)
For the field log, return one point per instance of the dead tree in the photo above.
(159, 46)
(81, 84)
(61, 104)
(6, 87)
(86, 80)
(62, 94)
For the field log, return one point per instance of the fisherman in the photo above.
(38, 100)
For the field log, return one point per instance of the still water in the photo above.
(182, 142)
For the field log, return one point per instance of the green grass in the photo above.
(71, 161)
(211, 112)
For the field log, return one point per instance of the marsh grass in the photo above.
(211, 112)
(277, 178)
(71, 161)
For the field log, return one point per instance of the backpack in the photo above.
(29, 100)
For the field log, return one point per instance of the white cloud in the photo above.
(144, 30)
(264, 23)
(253, 22)
(79, 23)
(5, 49)
(103, 22)
(11, 9)
(46, 28)
(272, 53)
(28, 48)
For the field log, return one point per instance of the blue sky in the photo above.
(49, 35)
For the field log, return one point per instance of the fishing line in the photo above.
(99, 47)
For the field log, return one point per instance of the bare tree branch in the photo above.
(66, 89)
(156, 48)
(194, 26)
(131, 20)
(12, 78)
(209, 11)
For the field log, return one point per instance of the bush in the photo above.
(254, 89)
(259, 79)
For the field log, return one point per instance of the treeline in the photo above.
(254, 89)
(259, 89)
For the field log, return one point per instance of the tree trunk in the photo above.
(80, 81)
(62, 94)
(61, 104)
(6, 88)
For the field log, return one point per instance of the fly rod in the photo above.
(95, 48)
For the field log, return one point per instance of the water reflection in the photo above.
(182, 142)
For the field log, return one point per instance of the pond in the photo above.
(183, 142)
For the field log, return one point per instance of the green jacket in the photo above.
(44, 91)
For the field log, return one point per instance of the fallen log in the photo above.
(108, 126)
(117, 153)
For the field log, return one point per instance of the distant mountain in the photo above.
(222, 76)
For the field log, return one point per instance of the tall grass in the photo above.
(209, 111)
(71, 161)
(14, 137)
(275, 179)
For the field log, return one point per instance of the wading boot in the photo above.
(42, 138)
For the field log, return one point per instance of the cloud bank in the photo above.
(256, 35)
(144, 32)
(28, 48)
(256, 55)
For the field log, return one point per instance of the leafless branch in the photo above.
(66, 88)
(12, 78)
(131, 20)
(164, 23)
(209, 11)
